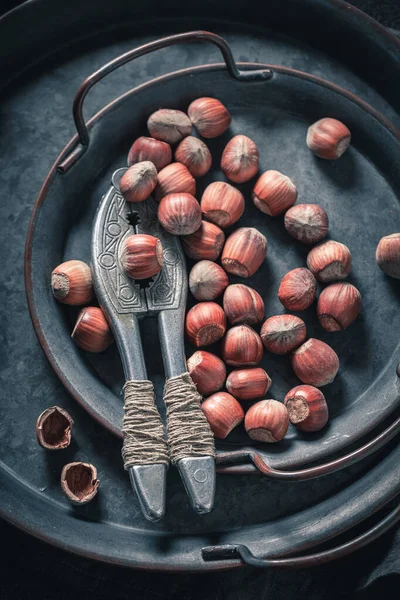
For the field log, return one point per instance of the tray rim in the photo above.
(94, 120)
(388, 491)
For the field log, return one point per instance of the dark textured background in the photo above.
(31, 569)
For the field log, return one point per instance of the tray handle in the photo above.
(226, 460)
(191, 36)
(230, 552)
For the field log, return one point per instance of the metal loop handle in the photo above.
(191, 36)
(229, 552)
(259, 464)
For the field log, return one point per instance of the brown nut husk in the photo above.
(54, 428)
(79, 482)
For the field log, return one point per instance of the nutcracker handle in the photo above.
(190, 439)
(191, 36)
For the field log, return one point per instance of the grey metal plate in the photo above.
(36, 119)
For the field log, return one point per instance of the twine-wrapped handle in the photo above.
(189, 434)
(144, 440)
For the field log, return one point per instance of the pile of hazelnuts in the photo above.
(200, 225)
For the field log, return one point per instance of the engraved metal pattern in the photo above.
(111, 227)
(110, 230)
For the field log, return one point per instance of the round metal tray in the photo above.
(112, 527)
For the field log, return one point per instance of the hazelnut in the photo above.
(274, 193)
(138, 182)
(242, 347)
(54, 428)
(205, 324)
(207, 371)
(142, 256)
(79, 482)
(209, 116)
(328, 138)
(283, 333)
(71, 283)
(329, 261)
(388, 255)
(307, 408)
(205, 243)
(242, 304)
(194, 154)
(169, 125)
(297, 289)
(239, 161)
(248, 384)
(307, 223)
(207, 280)
(267, 421)
(222, 204)
(315, 363)
(147, 148)
(223, 413)
(174, 179)
(179, 214)
(338, 306)
(244, 252)
(92, 332)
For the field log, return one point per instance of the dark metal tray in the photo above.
(116, 514)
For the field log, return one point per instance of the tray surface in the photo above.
(29, 386)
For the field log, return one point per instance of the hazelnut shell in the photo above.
(267, 421)
(223, 413)
(315, 363)
(79, 482)
(54, 428)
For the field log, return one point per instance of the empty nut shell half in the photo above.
(79, 482)
(54, 428)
